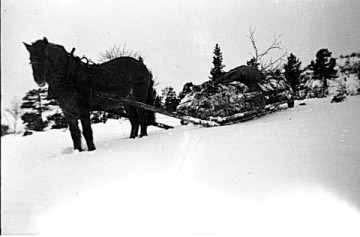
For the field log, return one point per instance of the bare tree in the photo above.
(258, 58)
(14, 111)
(116, 52)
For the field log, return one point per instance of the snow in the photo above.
(291, 173)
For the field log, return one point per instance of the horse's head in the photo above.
(46, 58)
(39, 60)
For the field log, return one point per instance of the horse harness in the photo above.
(71, 73)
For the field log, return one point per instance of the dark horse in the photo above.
(74, 85)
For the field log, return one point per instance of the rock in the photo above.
(27, 133)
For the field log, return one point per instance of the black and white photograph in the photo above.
(184, 118)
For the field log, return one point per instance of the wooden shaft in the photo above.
(157, 110)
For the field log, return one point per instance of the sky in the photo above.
(176, 38)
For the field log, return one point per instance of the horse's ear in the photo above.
(72, 52)
(28, 47)
(45, 41)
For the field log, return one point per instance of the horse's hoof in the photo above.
(92, 149)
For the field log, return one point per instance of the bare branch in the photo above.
(259, 57)
(253, 42)
(274, 45)
(273, 65)
(14, 110)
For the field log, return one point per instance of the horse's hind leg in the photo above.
(143, 122)
(133, 118)
(134, 129)
(75, 133)
(143, 130)
(87, 131)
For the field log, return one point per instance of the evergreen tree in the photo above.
(324, 67)
(33, 121)
(157, 102)
(58, 119)
(253, 63)
(170, 99)
(4, 129)
(350, 63)
(156, 99)
(35, 104)
(153, 94)
(217, 70)
(292, 72)
(98, 117)
(355, 64)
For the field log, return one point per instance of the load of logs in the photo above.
(220, 100)
(230, 102)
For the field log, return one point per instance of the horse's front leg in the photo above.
(87, 131)
(75, 133)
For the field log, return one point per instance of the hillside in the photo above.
(291, 173)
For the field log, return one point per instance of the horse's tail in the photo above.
(150, 100)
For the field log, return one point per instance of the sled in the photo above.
(212, 122)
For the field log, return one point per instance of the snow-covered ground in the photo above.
(291, 173)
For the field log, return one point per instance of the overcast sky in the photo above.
(176, 37)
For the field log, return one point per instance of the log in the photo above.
(162, 125)
(248, 115)
(276, 106)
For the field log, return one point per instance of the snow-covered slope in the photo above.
(291, 173)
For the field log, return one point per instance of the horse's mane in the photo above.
(42, 43)
(85, 61)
